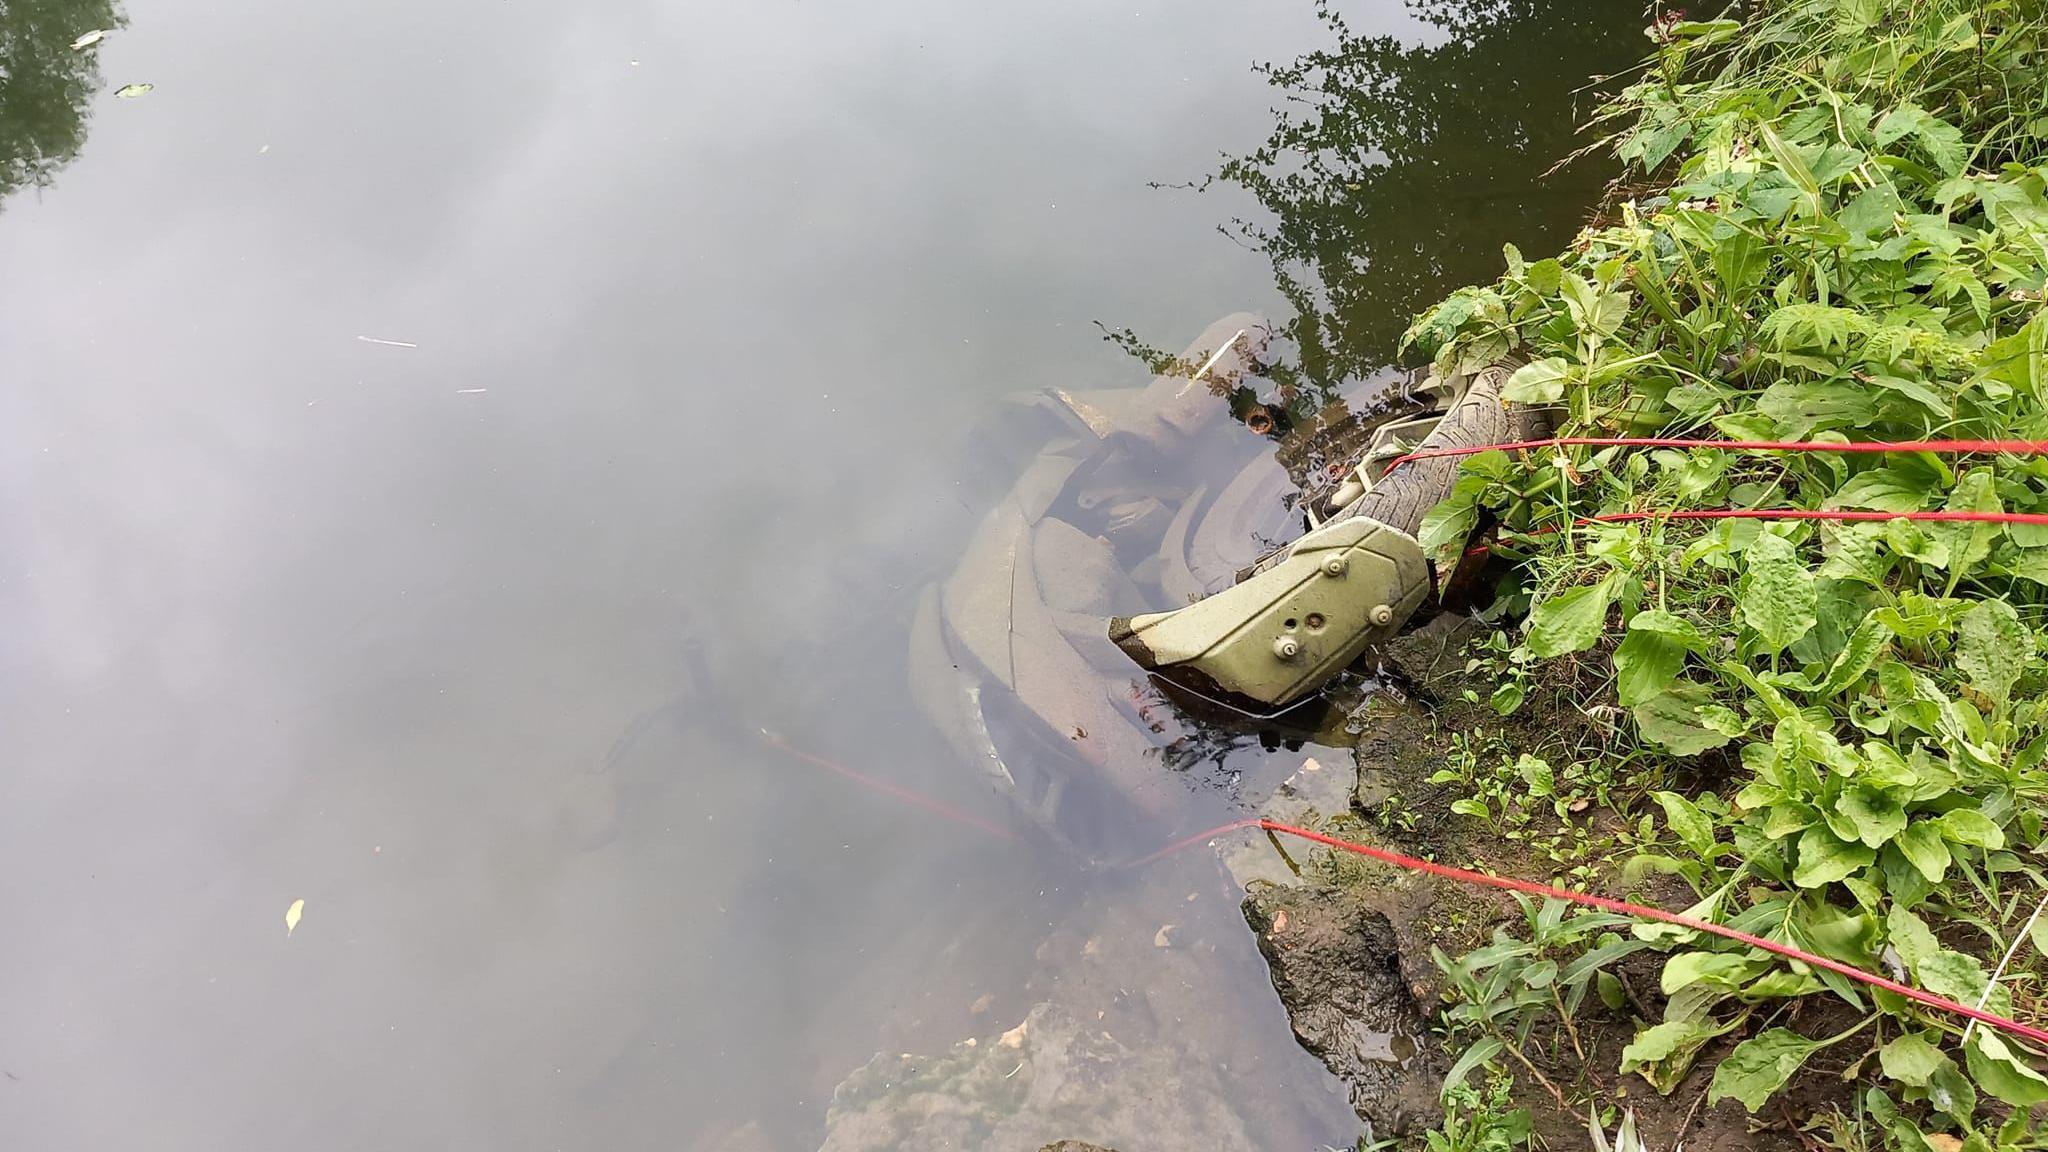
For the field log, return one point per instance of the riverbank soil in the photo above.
(1349, 941)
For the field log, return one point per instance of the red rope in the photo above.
(1641, 912)
(1462, 875)
(1938, 447)
(908, 796)
(1844, 514)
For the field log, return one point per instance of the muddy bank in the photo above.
(1336, 964)
(1349, 942)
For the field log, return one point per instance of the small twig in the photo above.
(1685, 1125)
(1798, 1133)
(1569, 1030)
(1516, 1052)
(1629, 990)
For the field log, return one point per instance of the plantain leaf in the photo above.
(1778, 598)
(1760, 1066)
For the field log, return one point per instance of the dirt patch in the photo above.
(1349, 946)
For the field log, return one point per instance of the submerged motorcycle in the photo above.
(1121, 559)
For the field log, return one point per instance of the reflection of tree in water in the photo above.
(1395, 172)
(45, 84)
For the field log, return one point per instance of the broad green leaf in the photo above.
(1570, 621)
(1824, 858)
(1998, 1069)
(1760, 1066)
(1792, 164)
(1922, 845)
(1853, 553)
(1844, 934)
(1992, 647)
(1872, 210)
(1447, 527)
(2021, 359)
(1951, 1091)
(1663, 1053)
(1940, 141)
(1721, 969)
(1645, 666)
(1778, 599)
(1782, 985)
(1482, 1050)
(1910, 540)
(1856, 657)
(1969, 543)
(1678, 721)
(1910, 1059)
(1960, 978)
(1694, 828)
(1969, 826)
(1670, 626)
(1882, 489)
(1819, 327)
(1795, 409)
(1910, 936)
(1876, 816)
(1537, 382)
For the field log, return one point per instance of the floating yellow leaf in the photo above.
(291, 916)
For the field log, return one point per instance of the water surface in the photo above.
(435, 438)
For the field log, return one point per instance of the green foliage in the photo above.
(1849, 242)
(46, 84)
(1478, 1120)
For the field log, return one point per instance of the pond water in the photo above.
(437, 439)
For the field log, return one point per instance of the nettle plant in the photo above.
(1850, 243)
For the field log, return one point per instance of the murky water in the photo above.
(436, 439)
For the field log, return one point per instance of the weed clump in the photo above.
(1834, 228)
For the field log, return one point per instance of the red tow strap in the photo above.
(1842, 515)
(1938, 447)
(1462, 875)
(1640, 912)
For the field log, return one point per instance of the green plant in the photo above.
(1505, 989)
(1480, 1121)
(1841, 232)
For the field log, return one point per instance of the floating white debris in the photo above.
(388, 343)
(131, 91)
(90, 38)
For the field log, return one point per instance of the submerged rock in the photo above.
(1051, 1074)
